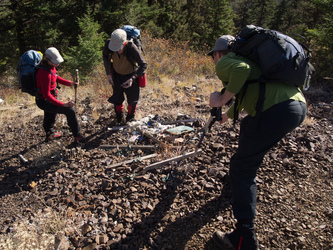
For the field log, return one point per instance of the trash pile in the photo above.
(154, 133)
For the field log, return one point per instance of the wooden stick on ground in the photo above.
(144, 133)
(130, 161)
(129, 146)
(133, 146)
(177, 158)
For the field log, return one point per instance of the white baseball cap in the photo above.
(53, 55)
(118, 38)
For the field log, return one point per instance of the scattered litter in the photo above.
(179, 140)
(33, 184)
(145, 124)
(143, 121)
(149, 127)
(118, 128)
(133, 139)
(23, 160)
(84, 118)
(179, 130)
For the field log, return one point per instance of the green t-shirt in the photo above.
(233, 70)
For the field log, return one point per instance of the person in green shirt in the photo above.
(283, 109)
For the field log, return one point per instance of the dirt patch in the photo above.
(73, 195)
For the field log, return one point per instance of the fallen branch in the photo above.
(177, 158)
(144, 133)
(130, 146)
(132, 160)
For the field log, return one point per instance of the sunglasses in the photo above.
(214, 54)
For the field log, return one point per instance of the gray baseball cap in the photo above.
(118, 38)
(221, 43)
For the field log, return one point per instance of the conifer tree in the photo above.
(257, 12)
(219, 20)
(87, 54)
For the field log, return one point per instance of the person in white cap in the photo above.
(123, 64)
(283, 109)
(46, 81)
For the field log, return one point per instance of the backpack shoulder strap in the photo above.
(261, 97)
(48, 70)
(128, 53)
(42, 67)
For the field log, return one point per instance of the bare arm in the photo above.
(217, 100)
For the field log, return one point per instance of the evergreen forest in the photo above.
(79, 28)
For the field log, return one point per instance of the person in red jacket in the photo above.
(46, 81)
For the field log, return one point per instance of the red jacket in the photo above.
(47, 84)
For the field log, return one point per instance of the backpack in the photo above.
(26, 71)
(133, 34)
(279, 56)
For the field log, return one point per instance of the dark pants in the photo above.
(132, 93)
(50, 114)
(255, 140)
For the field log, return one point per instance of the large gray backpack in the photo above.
(279, 56)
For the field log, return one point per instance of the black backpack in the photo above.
(279, 56)
(27, 70)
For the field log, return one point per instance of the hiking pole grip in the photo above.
(76, 76)
(75, 85)
(216, 113)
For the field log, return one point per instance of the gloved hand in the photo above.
(110, 80)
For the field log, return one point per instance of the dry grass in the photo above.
(171, 67)
(35, 233)
(44, 228)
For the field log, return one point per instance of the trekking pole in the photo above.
(75, 85)
(215, 115)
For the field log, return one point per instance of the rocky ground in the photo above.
(67, 196)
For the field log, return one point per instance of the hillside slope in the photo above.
(76, 196)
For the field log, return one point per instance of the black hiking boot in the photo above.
(52, 136)
(239, 239)
(130, 118)
(80, 138)
(118, 121)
